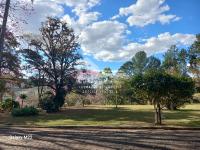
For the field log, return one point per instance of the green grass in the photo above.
(129, 115)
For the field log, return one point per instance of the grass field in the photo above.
(128, 115)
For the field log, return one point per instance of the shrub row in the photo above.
(26, 111)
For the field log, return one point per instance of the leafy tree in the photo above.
(106, 84)
(127, 68)
(180, 92)
(194, 60)
(139, 64)
(10, 63)
(55, 55)
(182, 60)
(123, 92)
(170, 62)
(162, 88)
(154, 64)
(175, 61)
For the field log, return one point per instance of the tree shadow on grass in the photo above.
(96, 115)
(109, 116)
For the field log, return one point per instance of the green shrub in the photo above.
(26, 111)
(47, 103)
(16, 104)
(74, 98)
(7, 104)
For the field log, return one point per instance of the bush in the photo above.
(26, 111)
(174, 105)
(47, 103)
(16, 104)
(74, 98)
(9, 104)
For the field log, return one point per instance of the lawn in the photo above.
(128, 115)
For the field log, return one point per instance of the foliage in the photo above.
(16, 104)
(139, 64)
(194, 60)
(162, 88)
(180, 92)
(74, 98)
(26, 111)
(3, 88)
(105, 85)
(8, 104)
(56, 56)
(194, 57)
(47, 102)
(23, 96)
(175, 61)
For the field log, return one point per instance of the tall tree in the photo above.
(3, 28)
(175, 61)
(56, 55)
(194, 61)
(10, 63)
(170, 62)
(182, 60)
(105, 84)
(5, 8)
(139, 64)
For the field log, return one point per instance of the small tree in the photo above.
(161, 87)
(23, 97)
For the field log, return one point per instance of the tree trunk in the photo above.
(1, 97)
(3, 28)
(83, 102)
(22, 103)
(158, 119)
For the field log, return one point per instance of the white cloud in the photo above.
(145, 12)
(106, 41)
(87, 18)
(103, 39)
(42, 9)
(45, 8)
(158, 44)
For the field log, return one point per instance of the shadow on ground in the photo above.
(109, 116)
(82, 139)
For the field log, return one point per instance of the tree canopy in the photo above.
(55, 55)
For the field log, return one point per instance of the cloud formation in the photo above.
(145, 12)
(114, 47)
(107, 40)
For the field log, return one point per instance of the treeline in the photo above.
(169, 82)
(178, 63)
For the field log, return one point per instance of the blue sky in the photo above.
(112, 31)
(188, 10)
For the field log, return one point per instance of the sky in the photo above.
(112, 31)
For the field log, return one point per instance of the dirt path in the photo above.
(94, 139)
